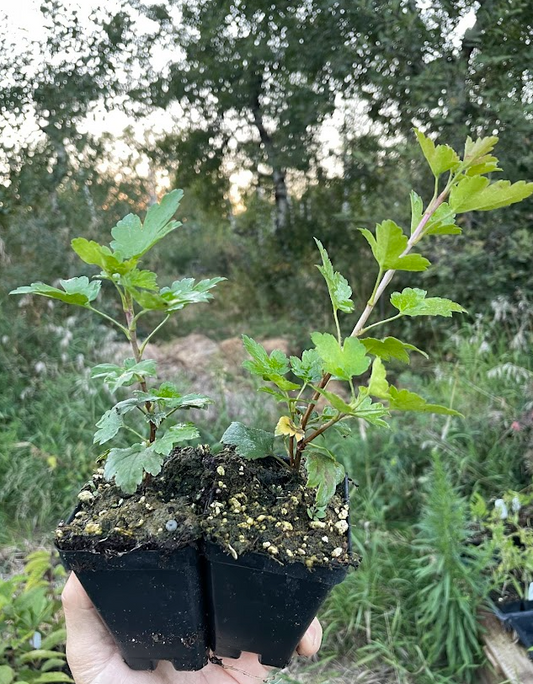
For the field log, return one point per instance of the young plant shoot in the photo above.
(139, 294)
(460, 185)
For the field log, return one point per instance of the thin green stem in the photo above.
(138, 434)
(385, 320)
(111, 320)
(143, 345)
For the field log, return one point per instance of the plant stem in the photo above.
(385, 320)
(137, 353)
(110, 319)
(143, 345)
(313, 436)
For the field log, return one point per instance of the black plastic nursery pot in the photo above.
(518, 615)
(151, 601)
(261, 606)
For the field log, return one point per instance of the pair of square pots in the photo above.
(184, 604)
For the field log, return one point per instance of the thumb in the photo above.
(90, 646)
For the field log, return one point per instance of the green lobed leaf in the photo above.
(388, 246)
(441, 158)
(262, 364)
(413, 302)
(133, 239)
(91, 252)
(168, 396)
(128, 465)
(342, 362)
(136, 278)
(371, 412)
(249, 443)
(477, 153)
(442, 221)
(180, 294)
(79, 291)
(108, 426)
(390, 348)
(476, 193)
(309, 367)
(176, 434)
(378, 385)
(131, 372)
(404, 400)
(339, 289)
(324, 474)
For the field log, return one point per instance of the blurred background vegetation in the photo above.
(281, 121)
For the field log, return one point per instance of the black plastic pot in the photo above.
(151, 601)
(261, 606)
(518, 615)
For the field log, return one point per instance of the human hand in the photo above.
(94, 658)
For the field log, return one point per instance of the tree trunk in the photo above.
(278, 173)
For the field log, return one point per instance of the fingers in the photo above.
(311, 640)
(90, 647)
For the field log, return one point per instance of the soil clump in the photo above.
(243, 506)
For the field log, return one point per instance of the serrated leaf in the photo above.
(180, 294)
(286, 427)
(143, 279)
(131, 372)
(390, 348)
(388, 246)
(442, 222)
(478, 194)
(263, 365)
(169, 397)
(413, 302)
(342, 362)
(91, 252)
(378, 385)
(404, 400)
(133, 240)
(372, 412)
(324, 474)
(339, 289)
(249, 443)
(108, 426)
(128, 465)
(309, 367)
(441, 158)
(477, 151)
(79, 291)
(175, 434)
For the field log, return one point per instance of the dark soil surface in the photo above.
(243, 506)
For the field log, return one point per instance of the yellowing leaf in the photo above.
(378, 386)
(285, 426)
